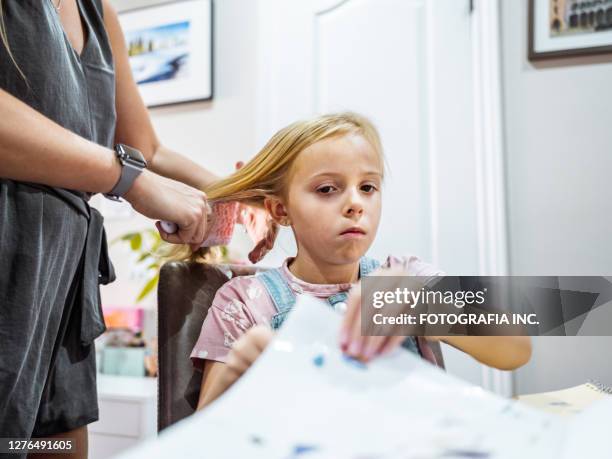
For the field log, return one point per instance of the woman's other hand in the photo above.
(261, 229)
(259, 226)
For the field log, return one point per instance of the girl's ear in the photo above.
(277, 210)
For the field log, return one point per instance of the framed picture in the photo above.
(170, 49)
(559, 28)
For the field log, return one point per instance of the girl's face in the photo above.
(334, 199)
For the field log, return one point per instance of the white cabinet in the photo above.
(128, 414)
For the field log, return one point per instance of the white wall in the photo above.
(559, 164)
(220, 132)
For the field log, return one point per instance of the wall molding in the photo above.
(489, 153)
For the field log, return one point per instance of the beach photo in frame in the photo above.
(564, 28)
(170, 49)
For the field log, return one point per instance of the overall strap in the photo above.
(367, 266)
(284, 298)
(336, 298)
(278, 288)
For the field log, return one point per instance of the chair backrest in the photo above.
(185, 292)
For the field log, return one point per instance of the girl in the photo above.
(323, 178)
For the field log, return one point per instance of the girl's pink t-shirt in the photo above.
(243, 302)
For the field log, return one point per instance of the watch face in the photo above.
(130, 154)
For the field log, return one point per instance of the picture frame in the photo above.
(568, 28)
(170, 46)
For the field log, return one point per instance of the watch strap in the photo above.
(129, 172)
(132, 164)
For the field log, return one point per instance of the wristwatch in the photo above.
(132, 164)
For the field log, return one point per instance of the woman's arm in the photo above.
(134, 127)
(35, 149)
(501, 352)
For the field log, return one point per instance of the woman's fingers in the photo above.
(261, 229)
(173, 238)
(199, 235)
(258, 252)
(160, 198)
(265, 244)
(272, 234)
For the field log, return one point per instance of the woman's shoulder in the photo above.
(413, 265)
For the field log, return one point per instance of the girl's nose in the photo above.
(354, 210)
(354, 206)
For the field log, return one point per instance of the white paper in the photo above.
(303, 399)
(589, 432)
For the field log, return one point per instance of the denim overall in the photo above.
(284, 298)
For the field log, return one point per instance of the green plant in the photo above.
(146, 244)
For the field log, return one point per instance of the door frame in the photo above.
(490, 161)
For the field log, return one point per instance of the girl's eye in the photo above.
(368, 188)
(325, 189)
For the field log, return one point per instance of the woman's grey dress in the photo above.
(52, 244)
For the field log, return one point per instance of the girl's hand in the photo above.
(245, 351)
(351, 341)
(243, 354)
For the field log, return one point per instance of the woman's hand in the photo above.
(243, 354)
(261, 229)
(259, 226)
(160, 198)
(351, 341)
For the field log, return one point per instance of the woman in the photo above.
(67, 97)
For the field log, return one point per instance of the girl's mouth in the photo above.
(353, 232)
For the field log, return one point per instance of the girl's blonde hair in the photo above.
(267, 174)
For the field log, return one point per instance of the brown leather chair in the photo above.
(185, 293)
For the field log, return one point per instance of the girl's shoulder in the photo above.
(239, 286)
(243, 288)
(413, 265)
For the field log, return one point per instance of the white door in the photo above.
(406, 64)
